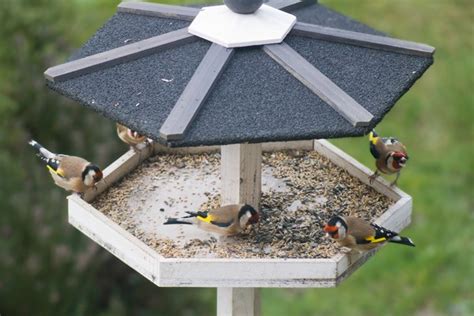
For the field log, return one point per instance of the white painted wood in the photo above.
(355, 168)
(237, 273)
(238, 301)
(247, 272)
(118, 169)
(267, 25)
(241, 174)
(113, 238)
(266, 147)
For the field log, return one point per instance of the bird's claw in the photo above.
(372, 178)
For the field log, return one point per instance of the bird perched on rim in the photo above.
(227, 220)
(130, 137)
(359, 235)
(69, 172)
(390, 155)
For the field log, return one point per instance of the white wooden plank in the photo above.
(248, 272)
(118, 55)
(118, 169)
(356, 169)
(241, 174)
(242, 30)
(113, 238)
(266, 147)
(238, 301)
(196, 92)
(362, 39)
(159, 10)
(317, 82)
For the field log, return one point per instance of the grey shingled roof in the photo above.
(255, 99)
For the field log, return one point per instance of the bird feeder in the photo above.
(232, 81)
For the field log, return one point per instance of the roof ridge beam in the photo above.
(160, 10)
(317, 82)
(289, 5)
(118, 55)
(196, 92)
(362, 39)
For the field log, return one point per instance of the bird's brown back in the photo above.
(72, 166)
(359, 227)
(225, 214)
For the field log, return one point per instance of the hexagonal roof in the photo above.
(180, 90)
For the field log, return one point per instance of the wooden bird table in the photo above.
(237, 280)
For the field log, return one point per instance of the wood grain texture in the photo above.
(196, 92)
(356, 169)
(238, 301)
(160, 10)
(118, 55)
(118, 169)
(266, 147)
(113, 238)
(241, 174)
(288, 5)
(362, 39)
(317, 82)
(232, 272)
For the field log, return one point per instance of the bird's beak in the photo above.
(330, 229)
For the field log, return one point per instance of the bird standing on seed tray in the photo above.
(69, 172)
(391, 155)
(358, 235)
(130, 137)
(227, 220)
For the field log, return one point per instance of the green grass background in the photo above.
(48, 268)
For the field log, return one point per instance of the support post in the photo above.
(241, 174)
(238, 301)
(241, 178)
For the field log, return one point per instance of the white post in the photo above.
(238, 301)
(241, 177)
(241, 174)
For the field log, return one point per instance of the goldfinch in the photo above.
(129, 137)
(227, 220)
(390, 155)
(358, 235)
(69, 172)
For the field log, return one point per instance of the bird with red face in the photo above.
(390, 156)
(227, 220)
(360, 236)
(69, 172)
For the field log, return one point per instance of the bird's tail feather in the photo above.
(171, 221)
(42, 152)
(196, 214)
(402, 240)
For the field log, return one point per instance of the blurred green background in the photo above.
(48, 268)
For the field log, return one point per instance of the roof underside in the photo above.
(255, 99)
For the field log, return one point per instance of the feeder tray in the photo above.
(137, 237)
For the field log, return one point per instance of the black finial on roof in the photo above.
(243, 6)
